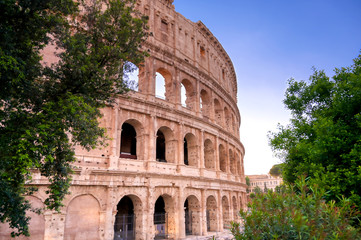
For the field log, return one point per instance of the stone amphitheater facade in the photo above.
(171, 169)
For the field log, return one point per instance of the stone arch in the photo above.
(82, 218)
(131, 142)
(165, 145)
(131, 75)
(164, 216)
(211, 214)
(187, 95)
(209, 161)
(128, 219)
(232, 165)
(218, 112)
(226, 212)
(205, 103)
(36, 223)
(191, 153)
(192, 214)
(222, 158)
(163, 84)
(235, 208)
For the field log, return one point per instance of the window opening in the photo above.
(159, 85)
(128, 148)
(131, 75)
(160, 148)
(186, 152)
(183, 95)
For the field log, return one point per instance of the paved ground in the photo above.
(226, 235)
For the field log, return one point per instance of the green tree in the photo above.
(296, 212)
(276, 170)
(248, 182)
(323, 139)
(45, 110)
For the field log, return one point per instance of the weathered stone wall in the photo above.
(201, 177)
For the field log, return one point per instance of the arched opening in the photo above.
(82, 218)
(232, 166)
(191, 155)
(160, 90)
(185, 150)
(131, 75)
(211, 214)
(163, 217)
(124, 225)
(235, 208)
(165, 145)
(187, 94)
(192, 216)
(222, 158)
(160, 219)
(225, 210)
(128, 148)
(204, 103)
(160, 148)
(218, 112)
(209, 155)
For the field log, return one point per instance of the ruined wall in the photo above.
(201, 178)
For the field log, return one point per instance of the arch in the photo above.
(235, 208)
(164, 216)
(131, 75)
(225, 210)
(187, 94)
(238, 164)
(211, 214)
(209, 155)
(128, 218)
(36, 223)
(192, 215)
(82, 219)
(205, 103)
(138, 139)
(191, 154)
(163, 80)
(232, 165)
(218, 112)
(128, 142)
(165, 145)
(222, 158)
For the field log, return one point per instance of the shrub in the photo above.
(297, 212)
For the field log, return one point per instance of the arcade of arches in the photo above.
(173, 165)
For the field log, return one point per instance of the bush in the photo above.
(297, 212)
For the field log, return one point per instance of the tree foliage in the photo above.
(276, 170)
(323, 139)
(296, 212)
(46, 109)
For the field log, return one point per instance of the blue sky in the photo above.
(270, 41)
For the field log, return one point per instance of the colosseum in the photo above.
(174, 165)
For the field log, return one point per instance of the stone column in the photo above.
(109, 215)
(220, 211)
(202, 153)
(180, 137)
(181, 217)
(203, 213)
(114, 153)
